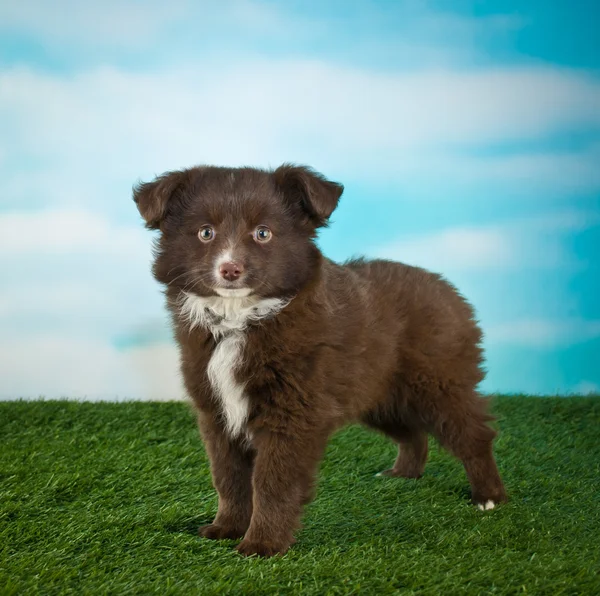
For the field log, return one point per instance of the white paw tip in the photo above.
(486, 506)
(379, 474)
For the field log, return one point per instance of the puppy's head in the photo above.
(237, 231)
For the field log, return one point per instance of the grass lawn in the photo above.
(106, 498)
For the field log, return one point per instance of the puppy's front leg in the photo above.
(231, 468)
(282, 482)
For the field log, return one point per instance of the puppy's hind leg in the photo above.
(464, 430)
(412, 455)
(412, 446)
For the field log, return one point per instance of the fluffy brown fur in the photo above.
(392, 346)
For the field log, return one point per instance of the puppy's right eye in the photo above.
(206, 233)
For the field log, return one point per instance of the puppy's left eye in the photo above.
(262, 234)
(206, 233)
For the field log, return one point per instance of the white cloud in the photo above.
(71, 299)
(60, 366)
(424, 33)
(76, 283)
(105, 127)
(570, 171)
(126, 304)
(457, 248)
(586, 388)
(522, 243)
(540, 333)
(77, 272)
(534, 175)
(66, 231)
(108, 23)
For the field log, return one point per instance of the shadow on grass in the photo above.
(325, 524)
(187, 525)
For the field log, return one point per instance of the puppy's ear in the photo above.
(302, 186)
(153, 199)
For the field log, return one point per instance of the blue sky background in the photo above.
(467, 135)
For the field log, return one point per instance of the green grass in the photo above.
(106, 498)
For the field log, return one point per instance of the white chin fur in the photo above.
(233, 293)
(224, 314)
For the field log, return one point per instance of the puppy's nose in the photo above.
(230, 271)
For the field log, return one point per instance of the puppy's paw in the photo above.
(216, 532)
(486, 503)
(489, 504)
(406, 472)
(262, 549)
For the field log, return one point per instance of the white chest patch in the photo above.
(221, 374)
(227, 318)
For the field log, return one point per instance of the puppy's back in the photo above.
(424, 314)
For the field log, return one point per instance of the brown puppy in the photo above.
(280, 346)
